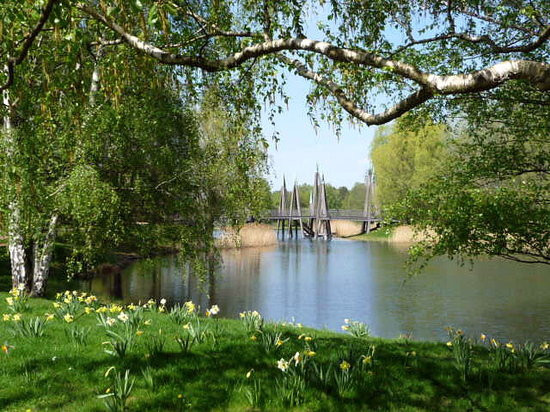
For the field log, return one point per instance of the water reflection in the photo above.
(320, 283)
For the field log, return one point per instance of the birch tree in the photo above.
(112, 156)
(368, 62)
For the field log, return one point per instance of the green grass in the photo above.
(53, 373)
(383, 234)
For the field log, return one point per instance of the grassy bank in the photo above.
(221, 364)
(384, 234)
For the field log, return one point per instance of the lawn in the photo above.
(176, 360)
(382, 234)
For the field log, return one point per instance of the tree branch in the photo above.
(415, 99)
(29, 39)
(537, 73)
(545, 35)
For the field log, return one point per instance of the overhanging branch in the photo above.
(534, 72)
(27, 43)
(415, 99)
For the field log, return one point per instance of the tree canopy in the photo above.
(476, 62)
(414, 53)
(406, 156)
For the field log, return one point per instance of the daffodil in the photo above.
(16, 317)
(308, 338)
(139, 332)
(367, 360)
(449, 344)
(545, 346)
(10, 301)
(282, 364)
(90, 299)
(187, 326)
(253, 337)
(242, 315)
(483, 337)
(110, 321)
(301, 337)
(163, 301)
(345, 327)
(190, 306)
(131, 306)
(88, 310)
(279, 342)
(6, 317)
(510, 345)
(148, 322)
(123, 317)
(344, 365)
(115, 309)
(49, 316)
(102, 309)
(311, 353)
(68, 318)
(214, 310)
(56, 305)
(297, 358)
(249, 373)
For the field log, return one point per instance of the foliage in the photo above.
(405, 158)
(462, 348)
(115, 398)
(355, 328)
(337, 198)
(492, 195)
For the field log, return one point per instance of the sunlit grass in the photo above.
(89, 356)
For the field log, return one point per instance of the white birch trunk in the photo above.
(42, 258)
(94, 85)
(16, 247)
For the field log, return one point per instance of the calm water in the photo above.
(320, 283)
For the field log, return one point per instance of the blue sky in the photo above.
(301, 148)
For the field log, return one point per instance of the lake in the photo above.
(319, 283)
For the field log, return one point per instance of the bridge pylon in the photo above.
(320, 217)
(281, 211)
(369, 209)
(294, 212)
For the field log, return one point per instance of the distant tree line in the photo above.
(337, 197)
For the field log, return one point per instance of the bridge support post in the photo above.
(368, 208)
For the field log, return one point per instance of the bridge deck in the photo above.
(333, 214)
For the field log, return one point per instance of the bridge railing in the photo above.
(333, 213)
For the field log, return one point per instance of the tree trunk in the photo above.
(18, 255)
(42, 257)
